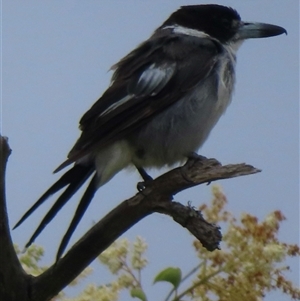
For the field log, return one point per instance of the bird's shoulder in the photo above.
(165, 47)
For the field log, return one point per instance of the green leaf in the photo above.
(137, 292)
(172, 275)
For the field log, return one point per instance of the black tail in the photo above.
(81, 208)
(73, 178)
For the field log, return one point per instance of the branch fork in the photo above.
(156, 197)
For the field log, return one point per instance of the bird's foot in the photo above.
(142, 185)
(194, 156)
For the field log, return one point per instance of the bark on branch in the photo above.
(13, 279)
(156, 197)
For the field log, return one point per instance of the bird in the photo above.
(164, 98)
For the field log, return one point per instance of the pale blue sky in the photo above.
(56, 55)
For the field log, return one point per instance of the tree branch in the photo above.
(13, 279)
(156, 197)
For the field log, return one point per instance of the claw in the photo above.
(141, 186)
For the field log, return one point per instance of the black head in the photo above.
(218, 21)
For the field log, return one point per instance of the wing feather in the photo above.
(144, 83)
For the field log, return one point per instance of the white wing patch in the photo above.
(116, 104)
(153, 79)
(150, 83)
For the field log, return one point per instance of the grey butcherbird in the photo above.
(165, 97)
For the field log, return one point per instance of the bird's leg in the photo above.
(142, 185)
(144, 174)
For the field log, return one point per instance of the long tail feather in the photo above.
(60, 202)
(74, 177)
(83, 205)
(74, 173)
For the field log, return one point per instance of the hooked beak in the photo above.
(250, 30)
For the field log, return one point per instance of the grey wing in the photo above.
(114, 119)
(152, 80)
(149, 83)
